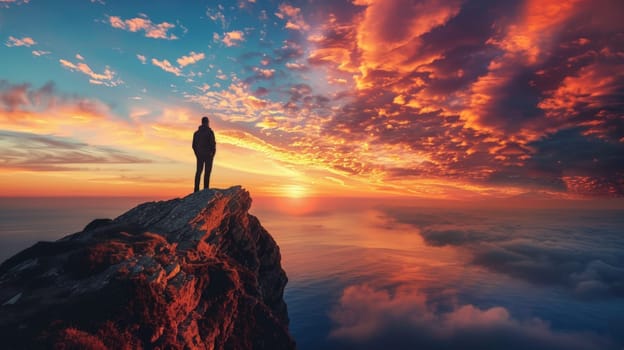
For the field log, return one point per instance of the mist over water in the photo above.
(367, 274)
(379, 274)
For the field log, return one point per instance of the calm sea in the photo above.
(366, 274)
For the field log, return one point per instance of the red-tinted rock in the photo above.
(192, 273)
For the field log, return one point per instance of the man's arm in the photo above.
(195, 143)
(213, 143)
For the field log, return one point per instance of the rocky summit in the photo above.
(193, 273)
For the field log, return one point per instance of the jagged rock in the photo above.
(193, 273)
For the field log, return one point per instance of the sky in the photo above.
(428, 99)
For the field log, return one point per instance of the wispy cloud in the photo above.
(167, 66)
(144, 24)
(7, 3)
(28, 151)
(25, 41)
(40, 52)
(87, 121)
(108, 77)
(186, 60)
(296, 66)
(141, 58)
(191, 58)
(216, 15)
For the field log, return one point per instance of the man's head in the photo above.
(205, 121)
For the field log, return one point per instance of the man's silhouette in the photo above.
(204, 146)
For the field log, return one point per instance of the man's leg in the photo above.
(198, 171)
(207, 172)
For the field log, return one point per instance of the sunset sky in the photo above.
(430, 99)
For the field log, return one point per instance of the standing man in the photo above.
(205, 147)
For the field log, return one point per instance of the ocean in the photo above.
(379, 274)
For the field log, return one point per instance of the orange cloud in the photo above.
(432, 98)
(296, 66)
(593, 87)
(167, 66)
(233, 38)
(159, 134)
(537, 28)
(338, 55)
(294, 19)
(107, 78)
(264, 73)
(155, 31)
(591, 186)
(192, 58)
(389, 33)
(525, 43)
(25, 41)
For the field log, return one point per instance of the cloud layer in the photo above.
(554, 249)
(406, 319)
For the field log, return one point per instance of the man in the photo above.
(204, 146)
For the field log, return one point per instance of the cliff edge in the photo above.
(193, 273)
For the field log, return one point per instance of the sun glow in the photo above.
(295, 191)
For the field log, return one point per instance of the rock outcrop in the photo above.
(193, 273)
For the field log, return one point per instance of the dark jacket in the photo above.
(204, 144)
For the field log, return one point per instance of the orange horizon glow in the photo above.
(372, 99)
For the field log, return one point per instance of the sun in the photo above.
(295, 191)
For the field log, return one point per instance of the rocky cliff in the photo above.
(193, 273)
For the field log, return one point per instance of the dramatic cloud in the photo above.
(390, 33)
(443, 99)
(144, 24)
(407, 319)
(107, 78)
(233, 38)
(25, 41)
(486, 104)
